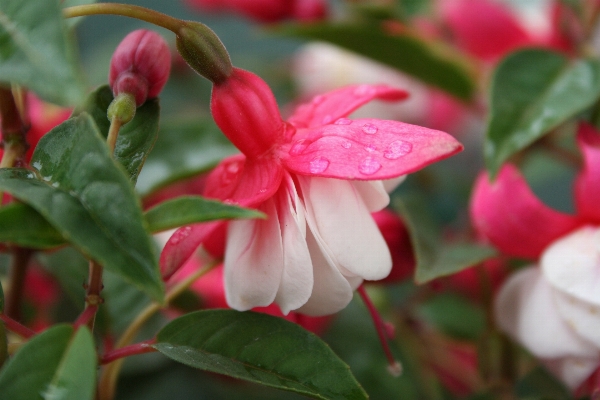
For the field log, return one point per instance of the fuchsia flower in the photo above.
(552, 309)
(319, 241)
(267, 10)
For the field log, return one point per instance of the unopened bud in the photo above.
(122, 108)
(202, 49)
(140, 65)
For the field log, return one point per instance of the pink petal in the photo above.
(328, 108)
(182, 245)
(297, 277)
(571, 266)
(243, 181)
(587, 184)
(367, 149)
(253, 260)
(508, 214)
(343, 227)
(525, 309)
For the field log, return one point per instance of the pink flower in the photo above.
(552, 310)
(319, 241)
(140, 65)
(267, 10)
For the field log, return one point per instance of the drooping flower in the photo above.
(317, 177)
(551, 309)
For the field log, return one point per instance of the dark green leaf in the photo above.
(431, 63)
(1, 299)
(183, 149)
(534, 91)
(36, 50)
(455, 316)
(539, 384)
(434, 258)
(101, 217)
(75, 378)
(22, 225)
(135, 139)
(193, 209)
(259, 348)
(54, 364)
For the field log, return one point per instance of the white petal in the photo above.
(373, 194)
(573, 371)
(391, 184)
(253, 260)
(297, 278)
(337, 215)
(572, 265)
(582, 317)
(331, 291)
(525, 309)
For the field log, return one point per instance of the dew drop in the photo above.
(327, 119)
(364, 90)
(318, 99)
(318, 165)
(299, 147)
(397, 149)
(369, 166)
(180, 234)
(346, 144)
(343, 121)
(233, 168)
(369, 129)
(263, 190)
(370, 148)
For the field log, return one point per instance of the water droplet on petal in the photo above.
(327, 119)
(318, 99)
(364, 90)
(318, 165)
(263, 190)
(370, 148)
(180, 234)
(397, 149)
(299, 147)
(369, 166)
(233, 168)
(346, 144)
(228, 201)
(343, 121)
(369, 129)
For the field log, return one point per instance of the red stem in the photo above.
(131, 350)
(86, 316)
(394, 366)
(16, 327)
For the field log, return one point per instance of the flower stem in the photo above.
(108, 379)
(113, 133)
(16, 327)
(125, 10)
(18, 271)
(394, 367)
(92, 297)
(131, 350)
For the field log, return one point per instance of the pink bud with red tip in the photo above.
(140, 65)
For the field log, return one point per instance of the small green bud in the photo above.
(122, 108)
(202, 49)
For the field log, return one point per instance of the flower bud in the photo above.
(140, 65)
(203, 51)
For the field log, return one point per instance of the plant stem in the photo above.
(18, 271)
(108, 379)
(131, 350)
(16, 327)
(125, 10)
(113, 133)
(92, 297)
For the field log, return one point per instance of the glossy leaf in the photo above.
(23, 226)
(135, 139)
(102, 218)
(193, 209)
(259, 348)
(37, 52)
(183, 149)
(55, 364)
(526, 103)
(431, 63)
(434, 258)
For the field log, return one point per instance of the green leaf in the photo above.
(539, 384)
(183, 149)
(55, 364)
(101, 217)
(435, 258)
(532, 92)
(259, 348)
(75, 377)
(37, 52)
(23, 226)
(1, 298)
(135, 139)
(455, 316)
(430, 62)
(193, 209)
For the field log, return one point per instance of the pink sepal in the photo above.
(508, 214)
(327, 108)
(587, 184)
(366, 149)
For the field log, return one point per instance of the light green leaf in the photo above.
(86, 196)
(532, 92)
(36, 50)
(23, 226)
(259, 348)
(430, 62)
(193, 209)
